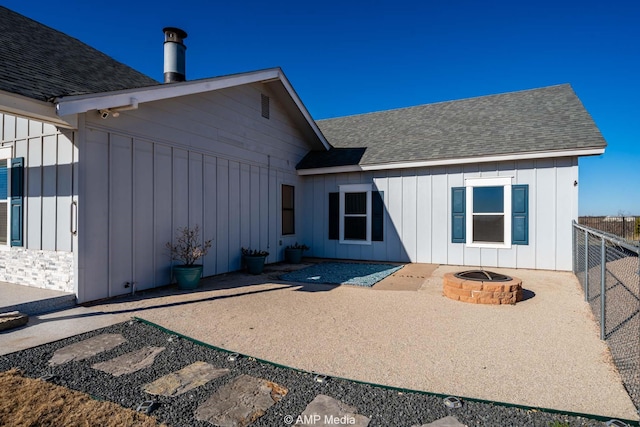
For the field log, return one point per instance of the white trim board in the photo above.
(453, 161)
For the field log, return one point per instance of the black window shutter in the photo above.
(334, 216)
(17, 196)
(458, 219)
(520, 214)
(377, 216)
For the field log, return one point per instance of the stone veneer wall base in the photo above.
(37, 268)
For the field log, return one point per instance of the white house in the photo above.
(99, 165)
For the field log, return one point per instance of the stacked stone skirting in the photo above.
(478, 292)
(40, 269)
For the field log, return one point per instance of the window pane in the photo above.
(355, 203)
(287, 197)
(287, 222)
(3, 223)
(488, 199)
(3, 180)
(488, 228)
(355, 228)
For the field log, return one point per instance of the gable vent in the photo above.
(265, 106)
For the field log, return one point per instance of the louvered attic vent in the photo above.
(265, 106)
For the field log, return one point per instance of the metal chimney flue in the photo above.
(174, 55)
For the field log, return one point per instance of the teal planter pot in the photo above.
(255, 264)
(188, 277)
(293, 256)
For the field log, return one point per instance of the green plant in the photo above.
(558, 424)
(302, 247)
(254, 252)
(187, 247)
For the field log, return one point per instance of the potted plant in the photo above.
(293, 253)
(254, 259)
(188, 250)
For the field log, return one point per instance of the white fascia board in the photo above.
(485, 159)
(122, 98)
(33, 109)
(296, 99)
(324, 171)
(459, 161)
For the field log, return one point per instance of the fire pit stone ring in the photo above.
(482, 287)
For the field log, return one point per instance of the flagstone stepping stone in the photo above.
(130, 362)
(86, 349)
(240, 402)
(444, 422)
(327, 411)
(12, 319)
(187, 378)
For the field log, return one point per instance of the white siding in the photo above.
(209, 160)
(418, 215)
(49, 161)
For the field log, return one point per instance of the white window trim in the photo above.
(505, 182)
(355, 188)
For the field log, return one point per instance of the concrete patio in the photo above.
(543, 351)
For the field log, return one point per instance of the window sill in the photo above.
(489, 245)
(354, 242)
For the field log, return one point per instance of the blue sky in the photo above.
(353, 57)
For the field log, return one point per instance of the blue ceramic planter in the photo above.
(293, 256)
(255, 264)
(188, 277)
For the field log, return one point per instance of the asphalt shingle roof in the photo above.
(537, 120)
(41, 63)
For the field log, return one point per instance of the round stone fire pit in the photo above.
(482, 287)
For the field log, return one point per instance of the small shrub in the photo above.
(254, 252)
(187, 248)
(302, 247)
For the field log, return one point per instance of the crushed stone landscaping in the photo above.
(279, 395)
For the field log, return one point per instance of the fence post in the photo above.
(586, 265)
(574, 248)
(603, 288)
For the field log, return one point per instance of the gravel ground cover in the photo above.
(384, 406)
(340, 273)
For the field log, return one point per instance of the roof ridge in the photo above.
(445, 102)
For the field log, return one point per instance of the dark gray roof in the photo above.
(41, 63)
(537, 120)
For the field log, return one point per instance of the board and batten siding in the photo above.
(49, 155)
(207, 159)
(46, 257)
(418, 215)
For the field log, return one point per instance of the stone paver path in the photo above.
(444, 422)
(12, 319)
(86, 349)
(327, 411)
(187, 378)
(130, 362)
(240, 402)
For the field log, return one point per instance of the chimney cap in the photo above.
(174, 34)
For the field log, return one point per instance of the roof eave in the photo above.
(582, 152)
(35, 109)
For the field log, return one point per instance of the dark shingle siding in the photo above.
(538, 120)
(42, 63)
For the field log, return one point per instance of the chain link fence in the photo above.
(608, 269)
(625, 227)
